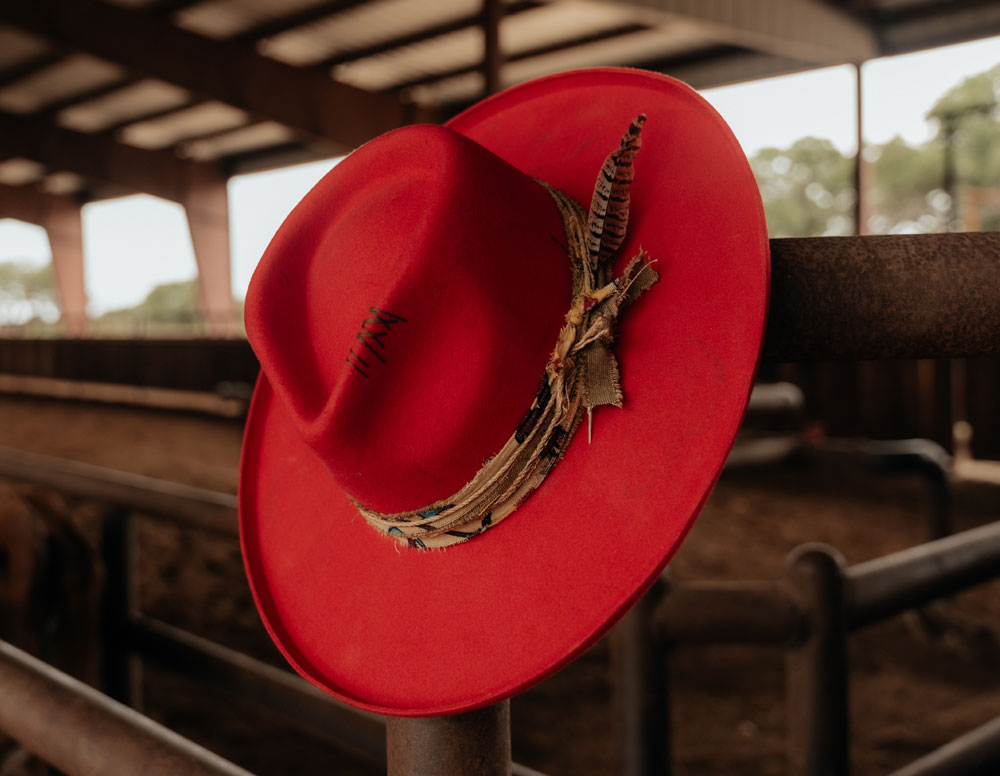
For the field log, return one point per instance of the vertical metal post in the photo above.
(939, 483)
(492, 55)
(118, 668)
(640, 665)
(476, 743)
(860, 166)
(816, 668)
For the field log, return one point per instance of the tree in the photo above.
(27, 294)
(807, 189)
(168, 303)
(906, 193)
(969, 135)
(169, 309)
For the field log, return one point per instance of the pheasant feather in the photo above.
(608, 217)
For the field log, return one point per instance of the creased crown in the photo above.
(404, 312)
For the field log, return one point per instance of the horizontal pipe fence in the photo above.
(810, 613)
(927, 296)
(835, 300)
(85, 733)
(128, 636)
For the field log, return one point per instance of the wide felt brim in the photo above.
(407, 632)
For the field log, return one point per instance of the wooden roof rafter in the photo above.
(30, 67)
(316, 13)
(302, 99)
(617, 31)
(422, 35)
(317, 77)
(99, 156)
(807, 30)
(31, 204)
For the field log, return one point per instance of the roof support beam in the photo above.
(199, 186)
(303, 99)
(100, 156)
(419, 36)
(723, 65)
(958, 21)
(207, 208)
(64, 226)
(60, 217)
(581, 40)
(29, 68)
(310, 15)
(25, 203)
(808, 30)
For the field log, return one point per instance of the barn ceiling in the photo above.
(99, 98)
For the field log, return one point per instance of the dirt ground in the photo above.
(911, 689)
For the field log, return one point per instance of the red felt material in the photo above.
(438, 230)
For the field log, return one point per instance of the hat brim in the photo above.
(416, 633)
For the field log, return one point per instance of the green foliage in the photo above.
(976, 94)
(21, 281)
(169, 303)
(27, 294)
(808, 189)
(906, 193)
(170, 309)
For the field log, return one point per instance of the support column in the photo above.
(206, 204)
(816, 669)
(64, 227)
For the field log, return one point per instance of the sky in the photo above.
(134, 243)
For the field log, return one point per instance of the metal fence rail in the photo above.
(214, 665)
(85, 733)
(408, 746)
(811, 612)
(891, 296)
(883, 587)
(832, 298)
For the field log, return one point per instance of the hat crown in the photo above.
(406, 309)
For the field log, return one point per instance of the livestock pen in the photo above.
(816, 313)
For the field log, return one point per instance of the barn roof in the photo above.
(99, 98)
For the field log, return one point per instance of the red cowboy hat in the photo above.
(403, 315)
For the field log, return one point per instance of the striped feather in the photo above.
(608, 217)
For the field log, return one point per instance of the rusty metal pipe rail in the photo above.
(185, 504)
(84, 733)
(768, 612)
(886, 586)
(361, 733)
(891, 296)
(976, 753)
(279, 690)
(832, 298)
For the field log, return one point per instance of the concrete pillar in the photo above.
(63, 224)
(206, 204)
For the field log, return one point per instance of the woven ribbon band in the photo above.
(581, 374)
